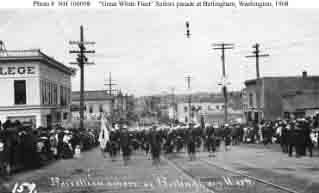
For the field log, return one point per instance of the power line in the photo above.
(188, 82)
(81, 60)
(257, 55)
(3, 49)
(110, 84)
(188, 34)
(188, 79)
(223, 47)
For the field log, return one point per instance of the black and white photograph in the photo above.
(159, 97)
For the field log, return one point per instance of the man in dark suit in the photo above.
(125, 144)
(155, 143)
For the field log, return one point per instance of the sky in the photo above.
(148, 52)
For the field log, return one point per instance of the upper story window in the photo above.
(251, 99)
(20, 97)
(91, 109)
(65, 116)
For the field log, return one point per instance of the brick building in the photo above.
(299, 103)
(268, 98)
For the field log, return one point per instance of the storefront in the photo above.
(34, 88)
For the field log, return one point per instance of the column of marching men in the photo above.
(156, 140)
(295, 136)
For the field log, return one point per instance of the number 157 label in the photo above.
(24, 187)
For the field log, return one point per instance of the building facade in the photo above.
(96, 103)
(211, 110)
(35, 88)
(268, 98)
(299, 103)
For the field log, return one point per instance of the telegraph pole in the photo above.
(81, 60)
(223, 47)
(188, 79)
(173, 103)
(3, 49)
(257, 55)
(110, 84)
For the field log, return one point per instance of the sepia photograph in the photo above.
(159, 97)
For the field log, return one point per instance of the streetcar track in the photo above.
(259, 180)
(188, 175)
(251, 177)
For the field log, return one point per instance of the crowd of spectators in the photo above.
(298, 136)
(25, 147)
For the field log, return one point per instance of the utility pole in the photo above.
(173, 104)
(110, 84)
(188, 78)
(257, 55)
(110, 90)
(3, 49)
(223, 47)
(81, 60)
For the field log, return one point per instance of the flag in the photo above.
(104, 133)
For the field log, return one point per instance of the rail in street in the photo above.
(220, 179)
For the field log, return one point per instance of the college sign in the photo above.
(17, 70)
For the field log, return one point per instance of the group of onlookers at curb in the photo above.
(25, 147)
(296, 136)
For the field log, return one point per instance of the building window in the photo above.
(185, 109)
(101, 108)
(65, 116)
(50, 93)
(249, 116)
(69, 96)
(46, 92)
(55, 94)
(19, 92)
(251, 100)
(41, 89)
(91, 109)
(63, 96)
(58, 117)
